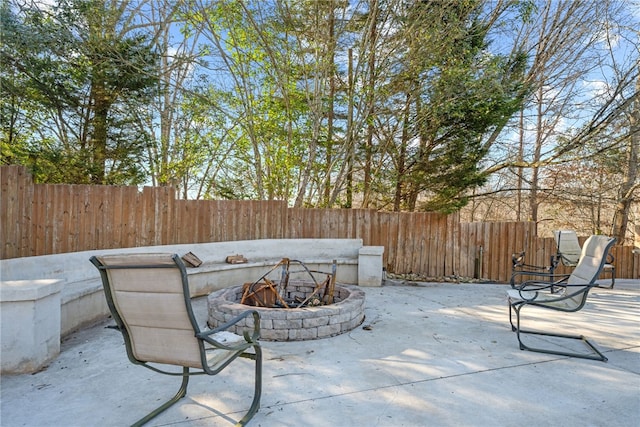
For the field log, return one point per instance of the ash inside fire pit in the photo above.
(291, 310)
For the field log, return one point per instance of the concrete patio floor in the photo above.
(428, 354)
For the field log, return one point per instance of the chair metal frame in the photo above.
(520, 268)
(567, 294)
(571, 257)
(568, 259)
(204, 338)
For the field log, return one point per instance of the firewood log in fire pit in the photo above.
(265, 293)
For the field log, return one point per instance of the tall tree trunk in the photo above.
(630, 180)
(349, 142)
(401, 165)
(534, 203)
(330, 58)
(520, 169)
(166, 113)
(101, 105)
(368, 149)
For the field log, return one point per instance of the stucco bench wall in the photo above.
(74, 290)
(317, 254)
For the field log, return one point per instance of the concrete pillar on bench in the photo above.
(30, 324)
(370, 266)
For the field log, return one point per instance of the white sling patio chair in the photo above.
(148, 296)
(567, 294)
(568, 252)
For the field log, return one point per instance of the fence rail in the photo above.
(41, 219)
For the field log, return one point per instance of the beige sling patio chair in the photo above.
(568, 294)
(149, 298)
(568, 252)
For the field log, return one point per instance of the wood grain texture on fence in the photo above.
(40, 219)
(16, 196)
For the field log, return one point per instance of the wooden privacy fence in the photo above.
(40, 219)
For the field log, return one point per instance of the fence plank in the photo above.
(452, 262)
(421, 245)
(10, 218)
(63, 217)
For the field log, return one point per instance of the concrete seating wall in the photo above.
(44, 298)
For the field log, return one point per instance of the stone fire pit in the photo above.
(292, 324)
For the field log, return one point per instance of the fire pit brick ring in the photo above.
(292, 324)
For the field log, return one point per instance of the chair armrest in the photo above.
(536, 285)
(251, 338)
(517, 262)
(517, 259)
(529, 291)
(550, 275)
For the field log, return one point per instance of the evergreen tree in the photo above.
(78, 72)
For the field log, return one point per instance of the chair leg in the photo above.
(255, 404)
(594, 355)
(513, 327)
(179, 395)
(613, 279)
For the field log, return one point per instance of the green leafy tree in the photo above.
(84, 68)
(453, 95)
(259, 97)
